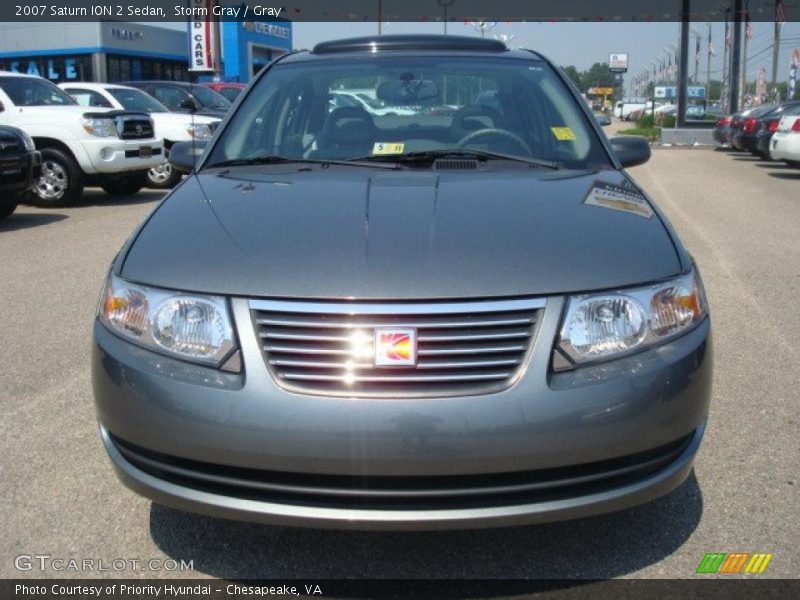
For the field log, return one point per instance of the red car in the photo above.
(228, 89)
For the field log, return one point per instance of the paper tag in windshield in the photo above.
(563, 134)
(384, 148)
(618, 198)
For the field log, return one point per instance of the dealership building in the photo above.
(108, 51)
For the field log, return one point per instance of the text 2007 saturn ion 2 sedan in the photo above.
(442, 319)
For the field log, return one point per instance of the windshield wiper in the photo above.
(430, 155)
(272, 159)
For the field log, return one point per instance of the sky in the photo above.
(582, 44)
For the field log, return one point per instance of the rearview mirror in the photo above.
(183, 156)
(630, 150)
(404, 92)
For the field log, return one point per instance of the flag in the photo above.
(727, 35)
(780, 12)
(697, 50)
(711, 49)
(748, 29)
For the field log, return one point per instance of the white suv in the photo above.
(79, 147)
(172, 127)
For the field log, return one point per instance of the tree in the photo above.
(575, 75)
(598, 75)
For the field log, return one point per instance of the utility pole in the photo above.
(380, 17)
(775, 47)
(708, 63)
(747, 30)
(683, 64)
(735, 64)
(723, 90)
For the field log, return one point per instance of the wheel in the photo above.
(61, 179)
(126, 185)
(6, 209)
(163, 177)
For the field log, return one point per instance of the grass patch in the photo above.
(651, 133)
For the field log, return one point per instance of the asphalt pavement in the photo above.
(739, 216)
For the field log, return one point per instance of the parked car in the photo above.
(744, 137)
(785, 143)
(170, 127)
(180, 96)
(340, 99)
(438, 323)
(229, 89)
(19, 167)
(722, 129)
(79, 145)
(770, 126)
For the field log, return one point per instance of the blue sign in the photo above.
(249, 45)
(670, 92)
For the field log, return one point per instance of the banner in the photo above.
(201, 35)
(793, 73)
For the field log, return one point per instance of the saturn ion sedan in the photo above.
(404, 321)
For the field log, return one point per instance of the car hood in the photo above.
(347, 232)
(180, 119)
(62, 109)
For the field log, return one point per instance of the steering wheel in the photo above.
(496, 131)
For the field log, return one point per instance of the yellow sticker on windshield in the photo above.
(383, 148)
(563, 134)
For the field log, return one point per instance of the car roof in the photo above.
(159, 81)
(13, 74)
(91, 85)
(409, 45)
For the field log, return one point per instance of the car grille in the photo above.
(426, 492)
(133, 127)
(463, 348)
(9, 145)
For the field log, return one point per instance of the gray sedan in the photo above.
(359, 320)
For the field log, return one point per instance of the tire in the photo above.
(61, 180)
(163, 177)
(7, 209)
(125, 185)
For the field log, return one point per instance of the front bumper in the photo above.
(110, 155)
(552, 447)
(18, 173)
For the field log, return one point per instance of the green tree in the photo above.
(598, 75)
(573, 73)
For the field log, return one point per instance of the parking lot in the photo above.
(740, 217)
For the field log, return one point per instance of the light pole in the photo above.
(445, 4)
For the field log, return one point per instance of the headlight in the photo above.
(189, 326)
(100, 127)
(604, 326)
(199, 131)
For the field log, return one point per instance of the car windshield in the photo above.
(208, 98)
(133, 99)
(432, 105)
(29, 91)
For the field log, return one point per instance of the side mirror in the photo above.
(188, 103)
(630, 150)
(183, 156)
